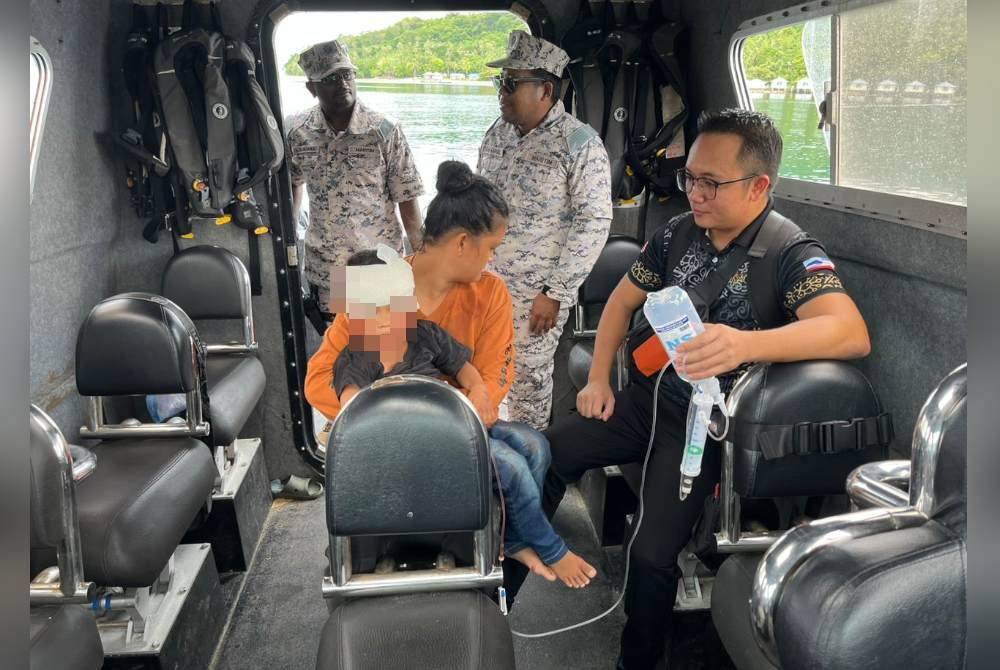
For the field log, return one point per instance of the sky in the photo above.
(303, 29)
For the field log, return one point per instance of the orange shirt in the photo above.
(479, 315)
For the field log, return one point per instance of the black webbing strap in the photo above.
(765, 254)
(253, 245)
(823, 437)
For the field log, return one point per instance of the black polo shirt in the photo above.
(804, 272)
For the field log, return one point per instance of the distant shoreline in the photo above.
(430, 82)
(482, 83)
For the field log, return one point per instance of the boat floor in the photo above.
(276, 610)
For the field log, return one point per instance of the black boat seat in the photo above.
(235, 385)
(146, 490)
(731, 612)
(460, 630)
(64, 637)
(211, 284)
(617, 256)
(843, 604)
(136, 505)
(409, 457)
(893, 599)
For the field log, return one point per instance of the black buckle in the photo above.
(828, 437)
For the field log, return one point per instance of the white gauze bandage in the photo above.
(377, 284)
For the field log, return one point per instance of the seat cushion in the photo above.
(731, 611)
(893, 601)
(64, 637)
(424, 631)
(235, 384)
(136, 505)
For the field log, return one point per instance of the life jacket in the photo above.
(265, 147)
(627, 85)
(194, 97)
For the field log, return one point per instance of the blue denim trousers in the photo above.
(522, 458)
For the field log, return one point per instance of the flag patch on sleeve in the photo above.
(818, 263)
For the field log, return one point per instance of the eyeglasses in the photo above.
(709, 187)
(340, 75)
(508, 83)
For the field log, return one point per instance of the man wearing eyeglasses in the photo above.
(357, 166)
(554, 172)
(730, 172)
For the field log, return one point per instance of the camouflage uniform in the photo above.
(355, 178)
(556, 180)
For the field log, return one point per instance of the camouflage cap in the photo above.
(321, 59)
(527, 52)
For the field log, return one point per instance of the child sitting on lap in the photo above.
(386, 337)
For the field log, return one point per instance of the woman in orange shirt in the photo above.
(465, 223)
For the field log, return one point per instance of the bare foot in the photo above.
(573, 570)
(534, 563)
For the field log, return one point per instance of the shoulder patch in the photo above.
(385, 128)
(579, 137)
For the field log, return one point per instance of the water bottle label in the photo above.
(675, 333)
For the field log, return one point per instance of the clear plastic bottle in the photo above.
(675, 321)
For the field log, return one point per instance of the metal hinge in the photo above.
(292, 252)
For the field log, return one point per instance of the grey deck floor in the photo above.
(279, 611)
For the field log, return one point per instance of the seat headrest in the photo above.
(407, 455)
(135, 344)
(805, 391)
(617, 256)
(208, 282)
(50, 472)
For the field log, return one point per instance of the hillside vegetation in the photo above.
(456, 43)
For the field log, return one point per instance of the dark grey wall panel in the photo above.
(74, 210)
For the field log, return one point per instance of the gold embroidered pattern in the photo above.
(811, 285)
(645, 276)
(739, 279)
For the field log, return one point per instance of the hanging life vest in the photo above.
(260, 146)
(658, 97)
(628, 86)
(196, 106)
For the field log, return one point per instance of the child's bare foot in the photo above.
(573, 570)
(534, 563)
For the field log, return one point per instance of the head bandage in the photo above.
(377, 284)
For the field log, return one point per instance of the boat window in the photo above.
(40, 82)
(871, 99)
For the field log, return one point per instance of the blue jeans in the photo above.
(522, 458)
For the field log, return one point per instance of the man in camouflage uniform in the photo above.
(554, 172)
(358, 167)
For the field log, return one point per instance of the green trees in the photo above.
(775, 54)
(456, 43)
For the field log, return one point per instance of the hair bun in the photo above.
(453, 177)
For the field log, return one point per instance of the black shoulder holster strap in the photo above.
(764, 254)
(825, 437)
